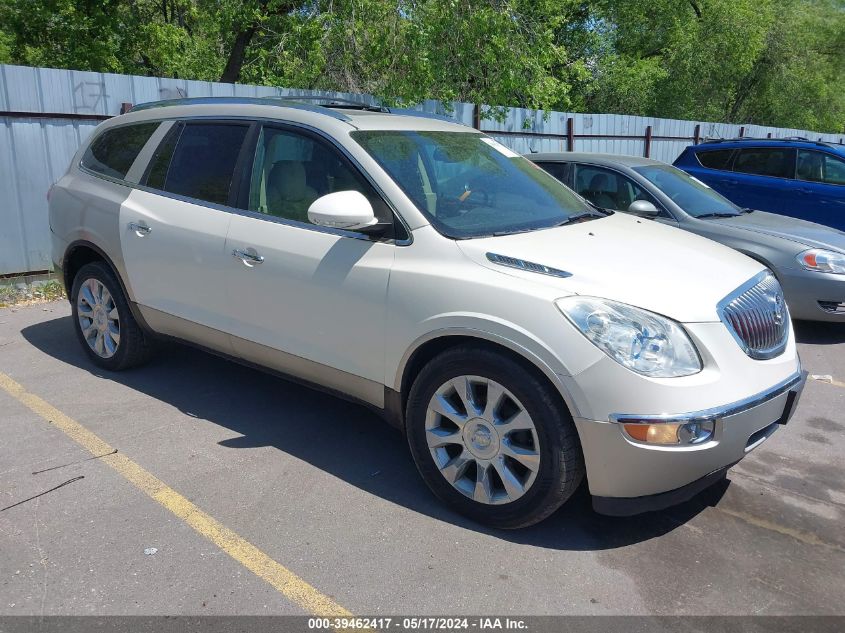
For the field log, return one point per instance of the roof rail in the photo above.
(794, 139)
(271, 101)
(337, 103)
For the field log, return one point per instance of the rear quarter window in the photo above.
(113, 152)
(715, 159)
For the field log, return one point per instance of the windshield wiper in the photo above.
(718, 215)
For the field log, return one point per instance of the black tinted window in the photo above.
(558, 170)
(765, 161)
(113, 152)
(718, 159)
(157, 169)
(203, 163)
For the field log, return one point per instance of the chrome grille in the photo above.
(757, 317)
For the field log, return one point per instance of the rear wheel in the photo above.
(492, 439)
(103, 321)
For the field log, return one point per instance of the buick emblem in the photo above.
(779, 311)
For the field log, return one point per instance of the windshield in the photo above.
(468, 185)
(692, 195)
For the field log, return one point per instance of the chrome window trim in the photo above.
(715, 413)
(765, 354)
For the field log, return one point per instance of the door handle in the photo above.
(249, 257)
(140, 229)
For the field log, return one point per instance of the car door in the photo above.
(610, 189)
(760, 177)
(174, 226)
(818, 192)
(304, 299)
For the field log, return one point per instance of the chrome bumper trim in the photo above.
(705, 415)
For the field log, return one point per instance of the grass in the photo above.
(38, 292)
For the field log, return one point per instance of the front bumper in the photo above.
(628, 477)
(805, 289)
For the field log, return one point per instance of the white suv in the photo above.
(521, 338)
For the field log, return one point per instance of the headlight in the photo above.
(822, 261)
(642, 341)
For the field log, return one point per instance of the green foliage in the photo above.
(774, 62)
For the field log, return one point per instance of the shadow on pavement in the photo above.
(819, 332)
(347, 440)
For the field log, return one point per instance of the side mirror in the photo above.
(348, 210)
(643, 208)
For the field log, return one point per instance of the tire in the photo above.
(486, 440)
(124, 343)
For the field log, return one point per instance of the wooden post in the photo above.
(476, 116)
(570, 134)
(125, 107)
(648, 141)
(697, 134)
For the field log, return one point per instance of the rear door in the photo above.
(304, 299)
(173, 230)
(760, 178)
(818, 192)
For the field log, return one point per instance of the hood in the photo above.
(801, 232)
(623, 258)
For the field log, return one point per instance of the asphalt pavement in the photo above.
(260, 478)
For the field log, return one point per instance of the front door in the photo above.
(303, 299)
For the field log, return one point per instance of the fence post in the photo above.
(648, 141)
(697, 134)
(741, 131)
(570, 134)
(769, 135)
(476, 116)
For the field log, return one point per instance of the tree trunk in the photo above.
(232, 72)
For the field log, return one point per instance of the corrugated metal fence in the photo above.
(46, 113)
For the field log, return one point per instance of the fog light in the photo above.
(671, 432)
(695, 432)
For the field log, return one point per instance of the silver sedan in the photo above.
(808, 259)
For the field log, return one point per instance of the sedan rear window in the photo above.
(113, 152)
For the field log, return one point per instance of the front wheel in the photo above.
(103, 321)
(492, 439)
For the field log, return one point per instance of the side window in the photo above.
(765, 161)
(819, 167)
(608, 189)
(198, 162)
(715, 159)
(113, 152)
(291, 170)
(558, 170)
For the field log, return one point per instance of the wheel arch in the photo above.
(82, 252)
(428, 346)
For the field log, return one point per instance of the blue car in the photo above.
(795, 177)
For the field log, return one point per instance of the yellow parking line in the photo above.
(282, 579)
